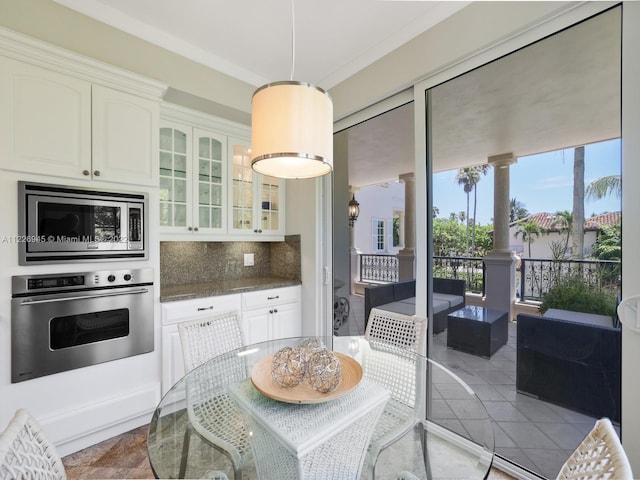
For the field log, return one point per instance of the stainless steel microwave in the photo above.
(60, 224)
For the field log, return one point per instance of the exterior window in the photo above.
(378, 234)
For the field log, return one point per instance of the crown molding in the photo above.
(42, 54)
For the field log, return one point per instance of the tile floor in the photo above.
(121, 457)
(125, 457)
(534, 434)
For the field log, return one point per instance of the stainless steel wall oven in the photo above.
(65, 321)
(59, 224)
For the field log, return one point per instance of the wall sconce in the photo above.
(354, 210)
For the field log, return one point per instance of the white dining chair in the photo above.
(391, 360)
(212, 413)
(599, 456)
(403, 331)
(26, 453)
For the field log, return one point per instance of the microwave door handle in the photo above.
(26, 303)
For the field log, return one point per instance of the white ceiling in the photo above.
(251, 39)
(561, 92)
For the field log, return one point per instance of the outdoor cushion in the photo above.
(579, 317)
(399, 307)
(411, 300)
(440, 305)
(452, 300)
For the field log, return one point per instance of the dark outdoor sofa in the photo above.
(448, 296)
(572, 363)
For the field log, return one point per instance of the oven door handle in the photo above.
(29, 302)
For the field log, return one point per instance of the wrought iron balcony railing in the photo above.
(378, 268)
(534, 276)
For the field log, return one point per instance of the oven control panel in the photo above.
(120, 277)
(33, 284)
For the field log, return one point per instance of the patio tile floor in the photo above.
(534, 434)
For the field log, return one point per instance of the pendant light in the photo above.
(291, 127)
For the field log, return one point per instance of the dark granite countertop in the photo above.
(222, 287)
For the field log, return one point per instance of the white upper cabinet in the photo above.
(257, 201)
(45, 121)
(125, 135)
(58, 117)
(193, 187)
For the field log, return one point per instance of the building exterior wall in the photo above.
(383, 203)
(541, 245)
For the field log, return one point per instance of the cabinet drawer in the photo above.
(183, 310)
(274, 296)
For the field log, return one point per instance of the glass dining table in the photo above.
(449, 434)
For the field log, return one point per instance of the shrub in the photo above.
(575, 295)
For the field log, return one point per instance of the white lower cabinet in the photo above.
(271, 314)
(174, 313)
(265, 315)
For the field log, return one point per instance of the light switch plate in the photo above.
(248, 260)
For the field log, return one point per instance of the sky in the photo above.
(543, 183)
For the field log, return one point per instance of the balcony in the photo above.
(537, 435)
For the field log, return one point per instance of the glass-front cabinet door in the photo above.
(241, 187)
(193, 172)
(210, 173)
(256, 199)
(269, 203)
(175, 176)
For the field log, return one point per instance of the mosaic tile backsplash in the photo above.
(183, 263)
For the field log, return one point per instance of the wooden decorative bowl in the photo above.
(302, 393)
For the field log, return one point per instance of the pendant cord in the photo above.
(293, 40)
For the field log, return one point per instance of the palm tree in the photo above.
(603, 187)
(577, 228)
(482, 170)
(529, 230)
(469, 177)
(517, 210)
(564, 222)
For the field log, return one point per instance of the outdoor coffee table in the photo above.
(477, 330)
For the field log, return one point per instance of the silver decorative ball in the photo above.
(309, 346)
(323, 371)
(288, 367)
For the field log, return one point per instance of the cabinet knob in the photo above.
(200, 309)
(270, 311)
(86, 173)
(195, 229)
(190, 228)
(275, 310)
(273, 298)
(96, 173)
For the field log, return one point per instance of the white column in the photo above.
(500, 263)
(407, 256)
(401, 222)
(354, 253)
